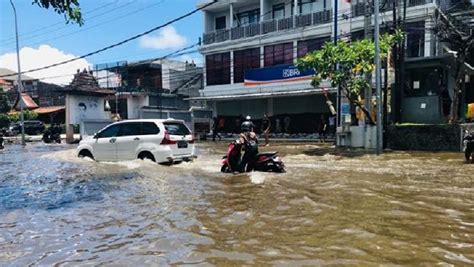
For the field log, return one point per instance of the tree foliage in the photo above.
(4, 120)
(347, 65)
(28, 115)
(458, 38)
(70, 9)
(4, 107)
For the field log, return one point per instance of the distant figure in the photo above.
(215, 129)
(445, 102)
(266, 124)
(277, 125)
(322, 128)
(2, 141)
(286, 123)
(360, 116)
(332, 125)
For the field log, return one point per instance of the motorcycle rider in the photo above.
(469, 146)
(1, 141)
(249, 142)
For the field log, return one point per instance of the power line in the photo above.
(92, 26)
(119, 43)
(36, 31)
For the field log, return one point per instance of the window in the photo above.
(130, 129)
(310, 45)
(176, 128)
(150, 128)
(415, 39)
(111, 131)
(218, 69)
(248, 17)
(245, 60)
(220, 23)
(278, 54)
(305, 6)
(279, 11)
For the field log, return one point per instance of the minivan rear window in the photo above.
(176, 128)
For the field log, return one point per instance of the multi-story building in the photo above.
(250, 48)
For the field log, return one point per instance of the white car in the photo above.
(162, 141)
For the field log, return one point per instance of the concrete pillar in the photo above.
(428, 38)
(270, 107)
(262, 12)
(232, 67)
(231, 14)
(262, 56)
(214, 109)
(295, 51)
(69, 126)
(295, 12)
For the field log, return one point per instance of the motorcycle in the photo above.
(264, 162)
(468, 140)
(51, 136)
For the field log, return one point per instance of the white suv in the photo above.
(162, 141)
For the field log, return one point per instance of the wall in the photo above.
(412, 110)
(81, 108)
(444, 137)
(134, 104)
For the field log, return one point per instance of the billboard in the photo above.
(276, 74)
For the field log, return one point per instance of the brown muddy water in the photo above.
(328, 209)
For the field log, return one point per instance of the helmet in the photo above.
(246, 126)
(248, 118)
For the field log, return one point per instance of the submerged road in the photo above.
(329, 208)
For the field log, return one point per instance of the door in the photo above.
(181, 137)
(105, 144)
(128, 140)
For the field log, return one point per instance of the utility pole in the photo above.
(377, 77)
(368, 35)
(20, 83)
(338, 96)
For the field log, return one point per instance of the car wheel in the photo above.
(85, 153)
(146, 155)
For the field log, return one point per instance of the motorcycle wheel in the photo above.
(225, 168)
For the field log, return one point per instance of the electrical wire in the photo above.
(119, 43)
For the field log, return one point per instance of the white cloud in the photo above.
(32, 58)
(167, 38)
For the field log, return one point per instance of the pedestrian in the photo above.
(445, 102)
(322, 128)
(266, 124)
(215, 129)
(332, 125)
(286, 122)
(277, 125)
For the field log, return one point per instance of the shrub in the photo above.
(4, 120)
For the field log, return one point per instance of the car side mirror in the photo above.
(96, 136)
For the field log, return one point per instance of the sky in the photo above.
(45, 38)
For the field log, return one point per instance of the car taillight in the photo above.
(166, 140)
(191, 141)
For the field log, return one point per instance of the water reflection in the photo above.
(329, 208)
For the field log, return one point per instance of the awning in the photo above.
(264, 95)
(47, 110)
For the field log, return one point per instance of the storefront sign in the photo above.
(276, 74)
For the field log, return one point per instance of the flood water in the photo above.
(328, 209)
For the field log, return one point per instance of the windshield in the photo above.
(176, 128)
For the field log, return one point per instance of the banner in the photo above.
(276, 74)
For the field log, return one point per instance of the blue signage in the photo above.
(345, 108)
(276, 74)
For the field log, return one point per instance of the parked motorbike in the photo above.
(468, 140)
(52, 135)
(264, 162)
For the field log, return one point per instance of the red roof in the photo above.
(46, 110)
(28, 101)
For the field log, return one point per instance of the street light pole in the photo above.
(20, 84)
(377, 77)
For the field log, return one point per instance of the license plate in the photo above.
(182, 144)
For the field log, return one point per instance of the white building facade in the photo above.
(250, 48)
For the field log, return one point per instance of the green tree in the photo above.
(70, 9)
(347, 64)
(4, 107)
(4, 120)
(454, 31)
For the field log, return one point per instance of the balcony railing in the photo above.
(361, 9)
(268, 26)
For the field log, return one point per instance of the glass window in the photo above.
(218, 69)
(111, 131)
(310, 45)
(130, 129)
(245, 60)
(278, 54)
(415, 39)
(150, 128)
(176, 128)
(248, 17)
(220, 23)
(279, 11)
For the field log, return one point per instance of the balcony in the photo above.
(360, 9)
(268, 26)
